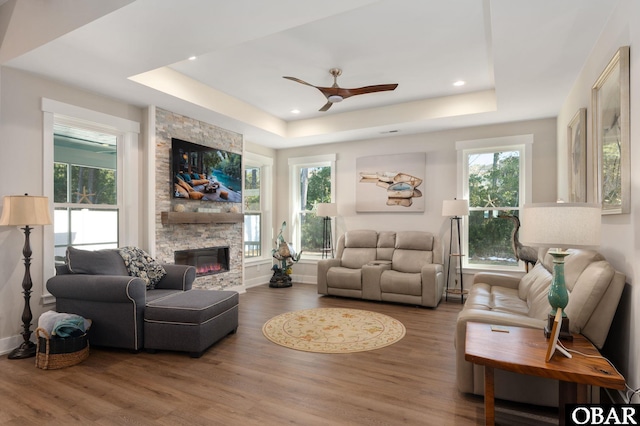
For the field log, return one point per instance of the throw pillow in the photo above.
(180, 191)
(96, 262)
(140, 264)
(195, 195)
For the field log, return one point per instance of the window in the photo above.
(313, 183)
(252, 213)
(257, 175)
(85, 189)
(495, 183)
(92, 169)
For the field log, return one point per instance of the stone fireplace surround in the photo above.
(182, 236)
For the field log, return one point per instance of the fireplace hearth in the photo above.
(207, 261)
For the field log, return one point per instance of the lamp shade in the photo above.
(22, 210)
(455, 207)
(327, 210)
(560, 225)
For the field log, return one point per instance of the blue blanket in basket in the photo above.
(62, 324)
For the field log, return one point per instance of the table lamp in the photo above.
(455, 209)
(327, 211)
(560, 226)
(25, 210)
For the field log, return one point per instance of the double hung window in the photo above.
(313, 183)
(495, 181)
(257, 178)
(86, 207)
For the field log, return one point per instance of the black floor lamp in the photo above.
(327, 211)
(25, 210)
(455, 209)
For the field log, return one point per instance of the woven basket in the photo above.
(53, 353)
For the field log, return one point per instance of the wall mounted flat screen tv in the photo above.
(203, 173)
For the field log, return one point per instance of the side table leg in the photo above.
(489, 398)
(567, 394)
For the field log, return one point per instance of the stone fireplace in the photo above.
(177, 236)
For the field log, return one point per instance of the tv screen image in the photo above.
(203, 173)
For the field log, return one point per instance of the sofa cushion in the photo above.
(486, 297)
(414, 240)
(180, 191)
(504, 299)
(410, 261)
(355, 258)
(140, 264)
(479, 297)
(401, 283)
(359, 248)
(361, 238)
(576, 263)
(537, 297)
(537, 273)
(345, 278)
(97, 262)
(587, 292)
(386, 245)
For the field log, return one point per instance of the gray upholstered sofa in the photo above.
(402, 267)
(594, 292)
(97, 285)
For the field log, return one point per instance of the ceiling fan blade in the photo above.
(326, 106)
(345, 93)
(336, 93)
(297, 80)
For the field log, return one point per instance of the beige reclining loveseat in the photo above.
(594, 292)
(402, 267)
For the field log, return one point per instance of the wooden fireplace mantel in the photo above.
(176, 218)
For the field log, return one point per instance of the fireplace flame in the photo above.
(207, 261)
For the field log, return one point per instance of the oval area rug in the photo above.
(333, 330)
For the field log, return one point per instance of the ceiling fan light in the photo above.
(335, 99)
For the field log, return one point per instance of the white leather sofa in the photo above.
(402, 267)
(594, 292)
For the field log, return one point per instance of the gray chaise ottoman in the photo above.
(190, 321)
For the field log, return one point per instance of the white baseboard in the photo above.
(297, 279)
(239, 288)
(304, 279)
(10, 343)
(254, 282)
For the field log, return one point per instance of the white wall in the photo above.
(440, 179)
(21, 172)
(620, 233)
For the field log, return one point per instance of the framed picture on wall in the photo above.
(577, 146)
(390, 183)
(610, 119)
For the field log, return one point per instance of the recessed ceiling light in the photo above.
(459, 83)
(193, 58)
(295, 111)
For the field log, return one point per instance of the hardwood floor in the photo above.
(247, 380)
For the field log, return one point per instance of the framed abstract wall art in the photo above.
(610, 120)
(390, 183)
(577, 145)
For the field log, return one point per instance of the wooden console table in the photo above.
(523, 350)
